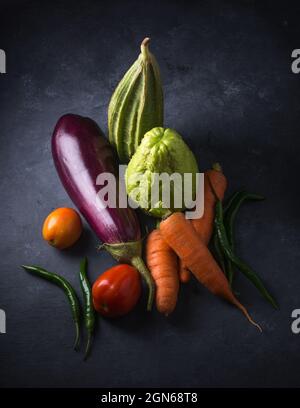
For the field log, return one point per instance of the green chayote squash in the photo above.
(161, 151)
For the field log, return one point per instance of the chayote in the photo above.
(161, 151)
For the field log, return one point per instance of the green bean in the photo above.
(89, 313)
(229, 254)
(66, 287)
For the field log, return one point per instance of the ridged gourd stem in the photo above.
(145, 47)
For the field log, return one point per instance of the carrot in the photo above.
(184, 273)
(162, 263)
(204, 225)
(184, 240)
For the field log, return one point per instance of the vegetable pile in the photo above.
(177, 248)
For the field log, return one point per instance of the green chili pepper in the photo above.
(89, 313)
(230, 213)
(230, 201)
(218, 251)
(229, 271)
(224, 263)
(230, 255)
(66, 287)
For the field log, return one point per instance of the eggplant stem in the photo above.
(138, 263)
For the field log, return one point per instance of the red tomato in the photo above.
(117, 290)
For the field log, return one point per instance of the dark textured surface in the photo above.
(230, 91)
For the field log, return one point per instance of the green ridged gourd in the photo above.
(136, 105)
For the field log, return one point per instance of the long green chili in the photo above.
(218, 251)
(89, 313)
(230, 201)
(230, 211)
(66, 287)
(230, 255)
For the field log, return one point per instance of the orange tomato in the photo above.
(62, 228)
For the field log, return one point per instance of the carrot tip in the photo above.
(257, 325)
(251, 320)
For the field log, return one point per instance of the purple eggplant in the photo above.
(81, 153)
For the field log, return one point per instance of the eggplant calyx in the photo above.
(124, 251)
(131, 252)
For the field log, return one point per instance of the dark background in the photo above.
(229, 90)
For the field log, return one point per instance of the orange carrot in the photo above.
(162, 263)
(184, 273)
(184, 240)
(204, 225)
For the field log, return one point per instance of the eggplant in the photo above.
(81, 152)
